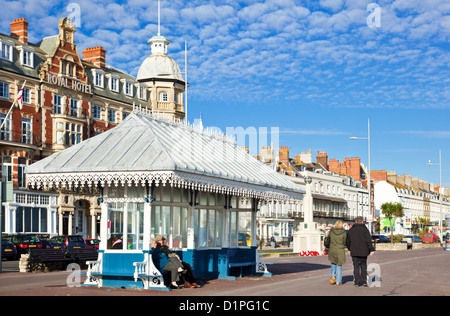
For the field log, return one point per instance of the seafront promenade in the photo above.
(422, 272)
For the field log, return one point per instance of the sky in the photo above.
(313, 72)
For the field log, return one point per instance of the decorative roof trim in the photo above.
(174, 179)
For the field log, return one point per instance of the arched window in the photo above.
(163, 97)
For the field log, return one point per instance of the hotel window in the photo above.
(5, 133)
(6, 50)
(26, 130)
(63, 67)
(111, 116)
(26, 95)
(21, 172)
(163, 97)
(128, 88)
(73, 107)
(175, 98)
(142, 92)
(98, 79)
(7, 167)
(96, 110)
(57, 104)
(75, 134)
(4, 90)
(69, 70)
(60, 133)
(114, 84)
(27, 57)
(71, 132)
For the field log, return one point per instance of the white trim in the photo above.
(178, 179)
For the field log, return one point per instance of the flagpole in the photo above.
(6, 117)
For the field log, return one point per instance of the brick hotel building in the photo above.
(67, 98)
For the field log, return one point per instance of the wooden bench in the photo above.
(83, 254)
(41, 256)
(240, 258)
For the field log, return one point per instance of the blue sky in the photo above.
(314, 69)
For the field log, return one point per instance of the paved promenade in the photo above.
(403, 273)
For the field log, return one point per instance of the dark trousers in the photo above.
(360, 270)
(188, 275)
(172, 266)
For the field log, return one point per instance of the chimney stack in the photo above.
(322, 159)
(19, 28)
(95, 55)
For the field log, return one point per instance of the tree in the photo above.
(392, 210)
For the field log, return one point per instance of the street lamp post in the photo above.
(368, 178)
(440, 195)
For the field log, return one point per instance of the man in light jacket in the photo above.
(359, 244)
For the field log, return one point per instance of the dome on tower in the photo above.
(159, 64)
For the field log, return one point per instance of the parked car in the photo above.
(380, 239)
(410, 239)
(430, 238)
(69, 241)
(51, 244)
(92, 243)
(9, 250)
(24, 242)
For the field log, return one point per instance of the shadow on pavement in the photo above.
(285, 268)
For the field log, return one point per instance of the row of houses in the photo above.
(340, 193)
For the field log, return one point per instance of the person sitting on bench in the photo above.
(170, 262)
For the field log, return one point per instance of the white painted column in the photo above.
(104, 226)
(190, 229)
(69, 228)
(147, 226)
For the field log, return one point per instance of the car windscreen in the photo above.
(75, 239)
(30, 238)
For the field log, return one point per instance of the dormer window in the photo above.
(99, 78)
(127, 87)
(26, 56)
(113, 81)
(114, 84)
(6, 49)
(142, 92)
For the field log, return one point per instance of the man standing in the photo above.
(359, 245)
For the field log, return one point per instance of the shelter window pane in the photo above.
(211, 227)
(233, 230)
(176, 228)
(156, 220)
(116, 219)
(202, 229)
(184, 226)
(165, 221)
(135, 224)
(219, 228)
(245, 229)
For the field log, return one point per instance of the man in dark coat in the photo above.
(359, 244)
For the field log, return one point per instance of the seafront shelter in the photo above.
(156, 175)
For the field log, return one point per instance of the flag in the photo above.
(19, 99)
